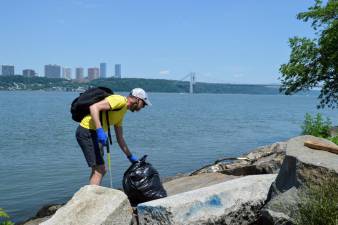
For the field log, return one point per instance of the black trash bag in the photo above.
(141, 183)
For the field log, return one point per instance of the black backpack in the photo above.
(80, 106)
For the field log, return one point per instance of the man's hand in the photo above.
(101, 136)
(132, 158)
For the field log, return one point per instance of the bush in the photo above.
(334, 139)
(319, 204)
(4, 218)
(316, 126)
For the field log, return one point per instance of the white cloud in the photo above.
(164, 72)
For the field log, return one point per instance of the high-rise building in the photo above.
(67, 73)
(28, 73)
(93, 73)
(53, 71)
(118, 70)
(7, 70)
(79, 74)
(103, 70)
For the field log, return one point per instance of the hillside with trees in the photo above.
(126, 84)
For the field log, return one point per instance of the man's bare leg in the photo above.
(97, 174)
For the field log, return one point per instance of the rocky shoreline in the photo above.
(268, 167)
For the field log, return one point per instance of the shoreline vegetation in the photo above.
(18, 82)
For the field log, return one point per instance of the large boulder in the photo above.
(301, 167)
(94, 205)
(237, 201)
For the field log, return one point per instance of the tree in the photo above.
(314, 62)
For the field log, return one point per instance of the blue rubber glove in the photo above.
(101, 136)
(132, 158)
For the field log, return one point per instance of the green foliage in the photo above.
(34, 83)
(160, 85)
(151, 85)
(314, 62)
(316, 126)
(4, 218)
(126, 84)
(334, 139)
(7, 223)
(319, 204)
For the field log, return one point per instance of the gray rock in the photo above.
(48, 210)
(263, 160)
(94, 205)
(237, 201)
(269, 159)
(302, 166)
(275, 218)
(35, 221)
(42, 215)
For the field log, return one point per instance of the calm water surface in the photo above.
(41, 162)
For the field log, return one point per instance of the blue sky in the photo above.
(243, 41)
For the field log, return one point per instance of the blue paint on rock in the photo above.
(214, 201)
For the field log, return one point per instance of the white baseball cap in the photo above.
(141, 94)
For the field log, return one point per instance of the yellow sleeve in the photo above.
(116, 101)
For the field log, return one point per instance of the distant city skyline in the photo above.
(58, 71)
(7, 70)
(222, 41)
(118, 70)
(103, 70)
(79, 73)
(67, 73)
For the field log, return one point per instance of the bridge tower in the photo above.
(192, 81)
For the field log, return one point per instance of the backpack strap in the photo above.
(108, 124)
(109, 134)
(107, 119)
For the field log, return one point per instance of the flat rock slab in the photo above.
(94, 205)
(189, 183)
(296, 149)
(237, 201)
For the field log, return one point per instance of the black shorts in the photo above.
(87, 140)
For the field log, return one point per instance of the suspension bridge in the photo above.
(192, 81)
